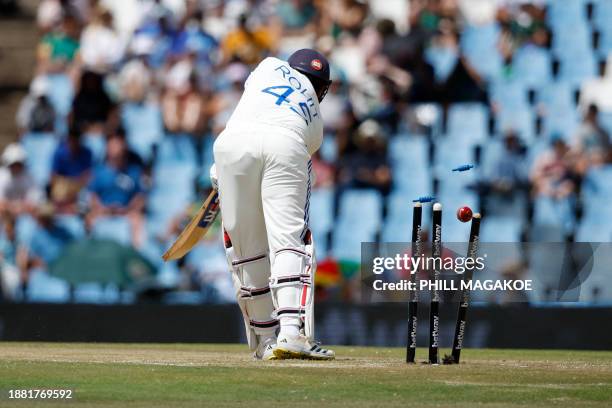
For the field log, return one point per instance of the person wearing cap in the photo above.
(19, 193)
(263, 172)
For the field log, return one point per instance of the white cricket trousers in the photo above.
(264, 185)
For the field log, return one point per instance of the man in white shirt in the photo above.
(18, 192)
(263, 166)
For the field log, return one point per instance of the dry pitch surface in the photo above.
(145, 375)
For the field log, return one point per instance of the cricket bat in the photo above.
(196, 229)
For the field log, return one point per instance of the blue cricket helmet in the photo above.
(315, 66)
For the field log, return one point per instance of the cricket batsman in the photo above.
(263, 171)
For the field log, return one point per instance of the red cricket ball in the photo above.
(464, 214)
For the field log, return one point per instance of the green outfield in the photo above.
(145, 375)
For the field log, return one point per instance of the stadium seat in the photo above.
(532, 66)
(468, 122)
(362, 209)
(347, 239)
(96, 293)
(602, 14)
(557, 96)
(114, 228)
(61, 92)
(43, 287)
(568, 43)
(552, 219)
(177, 148)
(412, 183)
(40, 148)
(143, 126)
(479, 45)
(321, 211)
(509, 94)
(398, 224)
(329, 149)
(576, 68)
(451, 153)
(408, 153)
(500, 229)
(566, 13)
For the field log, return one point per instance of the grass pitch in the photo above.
(145, 375)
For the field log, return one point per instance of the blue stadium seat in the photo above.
(451, 153)
(479, 45)
(96, 293)
(362, 209)
(443, 61)
(605, 43)
(468, 121)
(578, 67)
(163, 206)
(566, 13)
(532, 66)
(61, 92)
(509, 94)
(552, 219)
(321, 211)
(557, 96)
(602, 14)
(412, 183)
(398, 224)
(556, 101)
(500, 229)
(43, 287)
(567, 44)
(177, 148)
(114, 228)
(143, 125)
(40, 148)
(409, 152)
(347, 239)
(329, 148)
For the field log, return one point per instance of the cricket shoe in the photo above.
(299, 347)
(265, 350)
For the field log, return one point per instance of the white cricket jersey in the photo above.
(277, 98)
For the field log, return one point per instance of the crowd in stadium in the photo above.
(127, 97)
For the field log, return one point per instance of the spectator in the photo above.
(552, 174)
(184, 106)
(92, 106)
(101, 47)
(591, 141)
(60, 47)
(509, 174)
(249, 45)
(116, 188)
(49, 238)
(71, 170)
(135, 80)
(297, 16)
(36, 113)
(368, 166)
(19, 194)
(13, 258)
